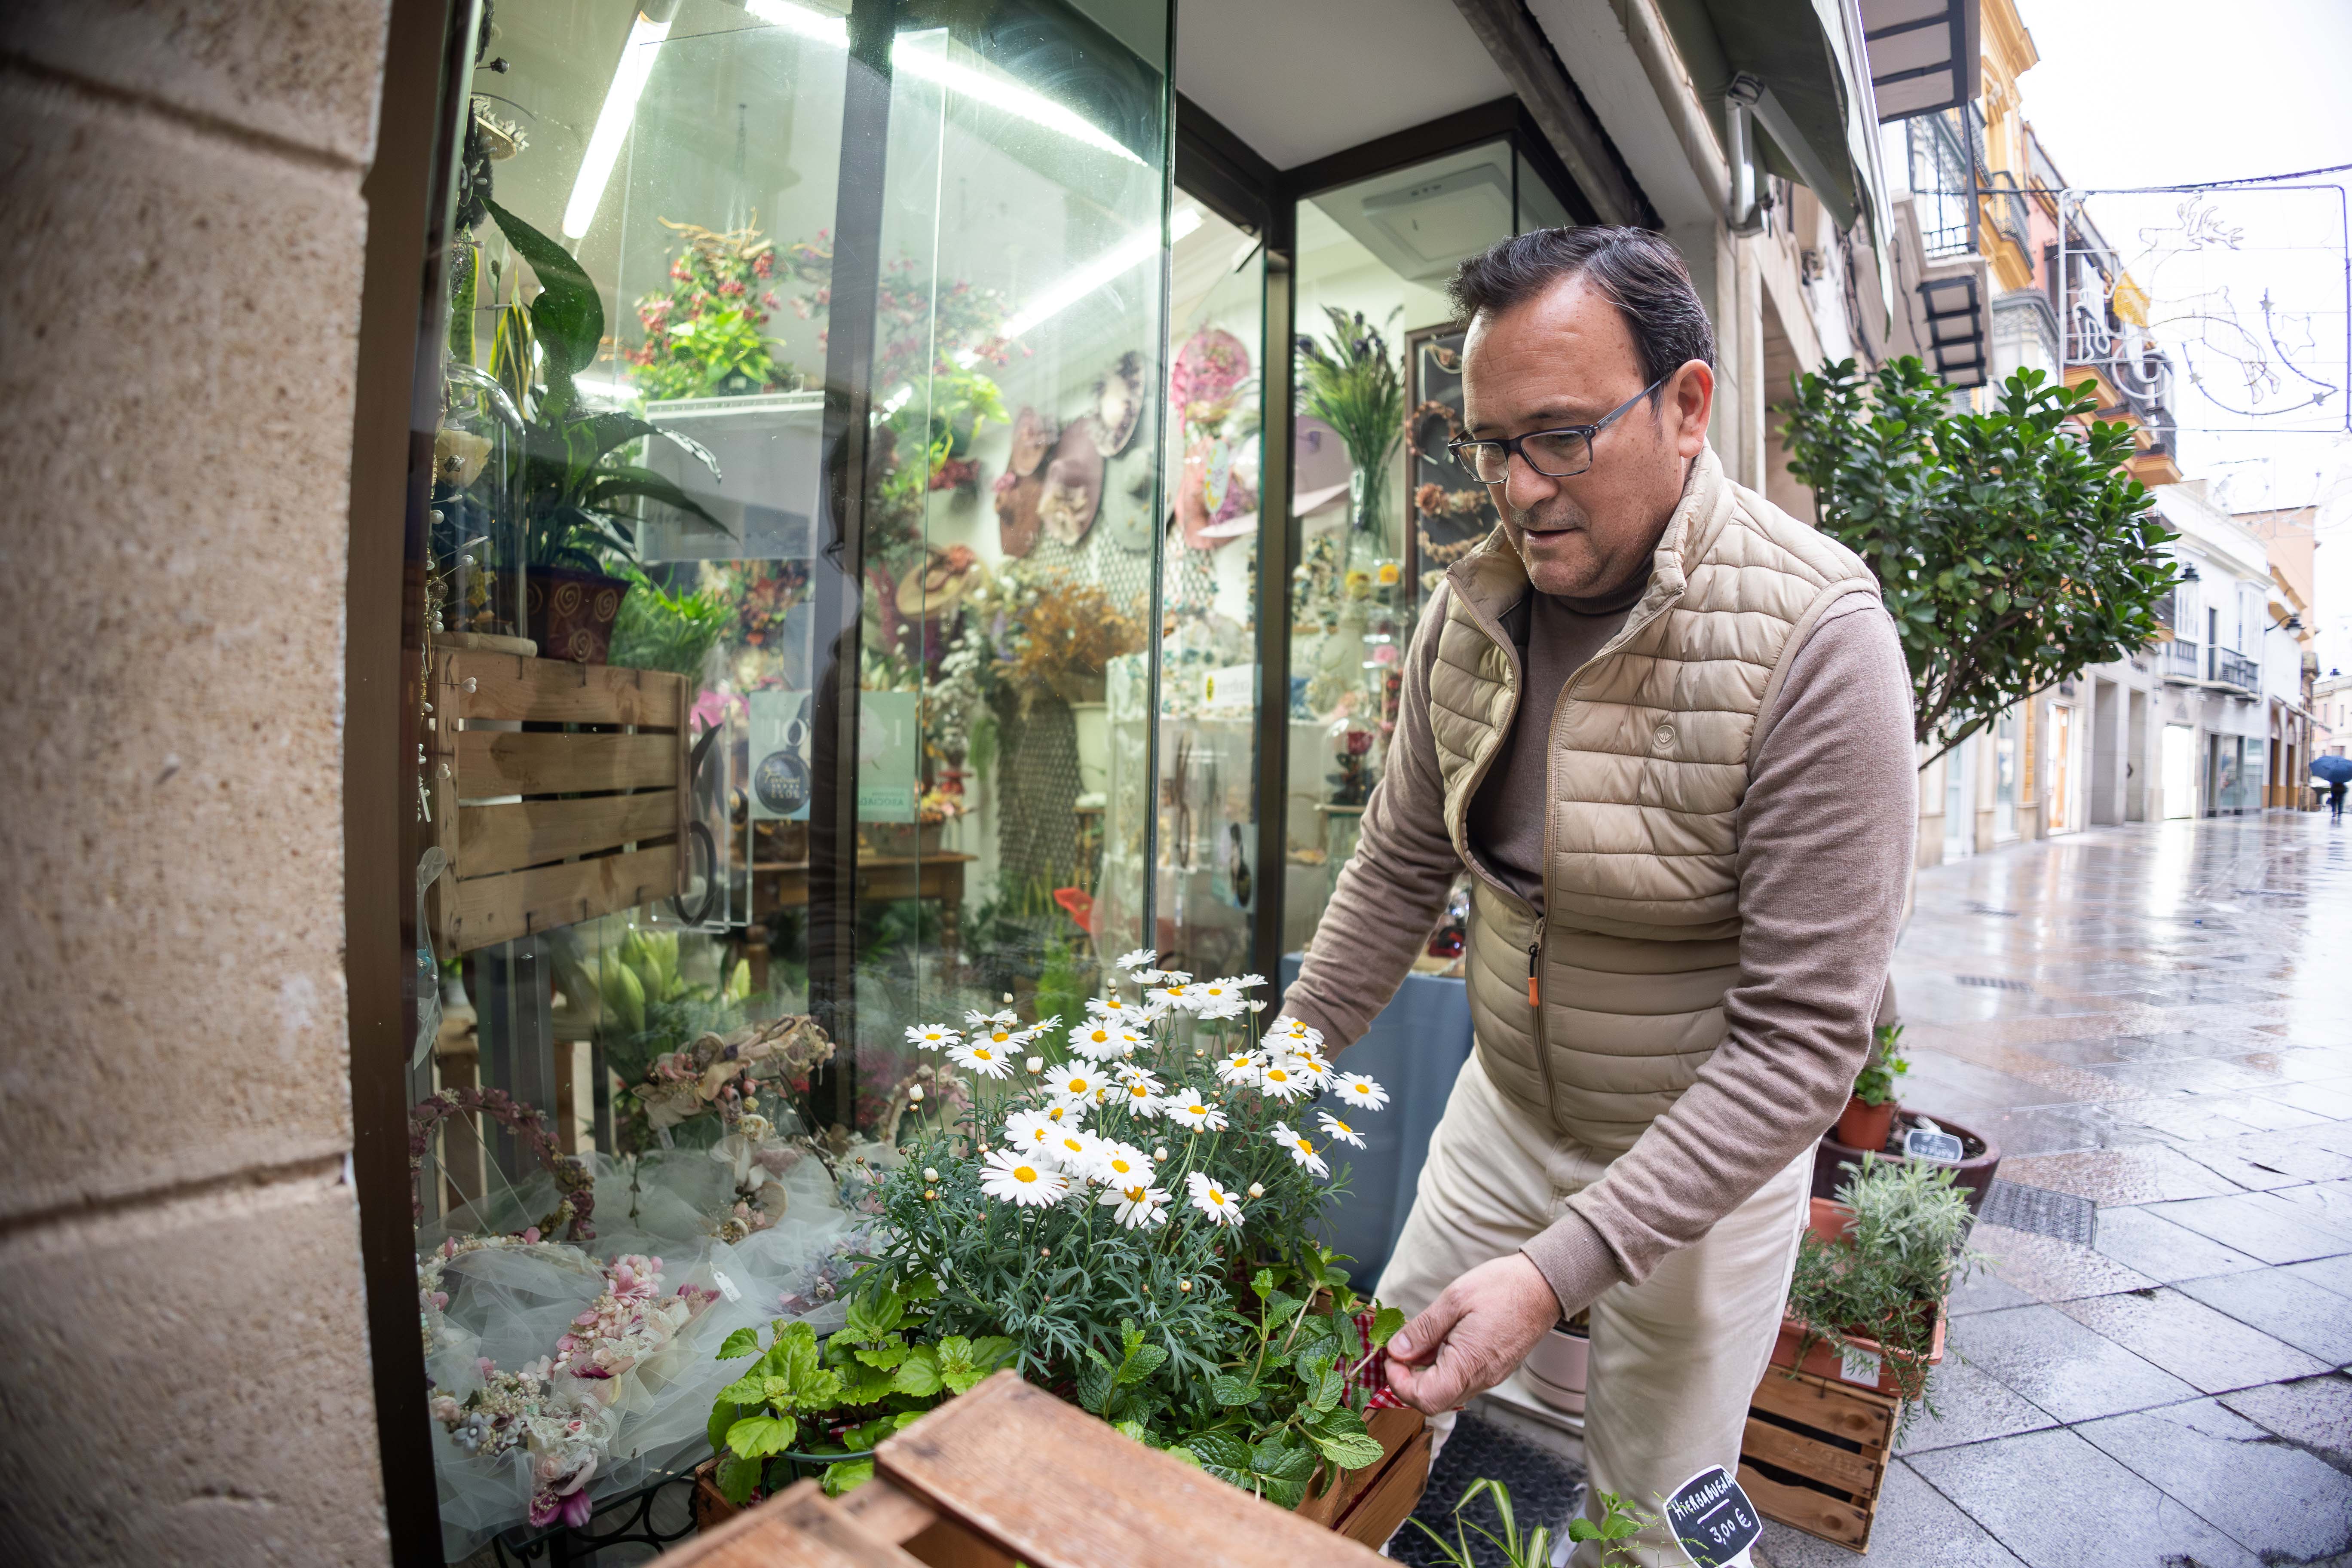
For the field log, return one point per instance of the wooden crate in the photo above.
(557, 789)
(1814, 1453)
(1009, 1473)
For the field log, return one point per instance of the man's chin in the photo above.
(1560, 563)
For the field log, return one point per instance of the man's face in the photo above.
(1566, 357)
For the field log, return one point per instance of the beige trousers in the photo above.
(1675, 1358)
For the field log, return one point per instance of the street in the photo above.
(2153, 1018)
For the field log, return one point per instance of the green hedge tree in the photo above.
(2012, 549)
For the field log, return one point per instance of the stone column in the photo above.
(188, 1379)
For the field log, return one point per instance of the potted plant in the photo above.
(1874, 1269)
(1555, 1370)
(1351, 383)
(1870, 1112)
(573, 494)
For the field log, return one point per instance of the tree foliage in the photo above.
(2012, 549)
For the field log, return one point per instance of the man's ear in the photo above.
(1689, 399)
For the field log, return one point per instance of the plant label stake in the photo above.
(1713, 1521)
(1930, 1141)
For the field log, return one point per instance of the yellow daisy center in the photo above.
(983, 1053)
(1277, 1075)
(1025, 1172)
(1135, 1194)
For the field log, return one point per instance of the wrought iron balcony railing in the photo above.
(2236, 669)
(2181, 661)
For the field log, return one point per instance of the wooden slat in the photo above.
(1059, 1488)
(1813, 1458)
(798, 1528)
(533, 832)
(494, 909)
(683, 743)
(502, 761)
(1815, 1513)
(1380, 1511)
(558, 691)
(1394, 1429)
(1857, 1415)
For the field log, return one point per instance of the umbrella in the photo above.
(2336, 770)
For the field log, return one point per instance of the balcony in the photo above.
(2183, 661)
(2237, 670)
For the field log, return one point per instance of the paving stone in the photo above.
(2325, 1205)
(2264, 1115)
(2058, 1365)
(2327, 1099)
(2315, 1413)
(1972, 1405)
(2163, 1250)
(2291, 1309)
(1984, 1291)
(1917, 1527)
(2202, 1347)
(2269, 1496)
(2290, 1155)
(2056, 1501)
(2333, 1273)
(2255, 1228)
(2191, 1075)
(2141, 1173)
(2049, 1269)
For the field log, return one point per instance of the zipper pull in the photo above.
(1535, 962)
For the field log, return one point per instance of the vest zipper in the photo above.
(1535, 963)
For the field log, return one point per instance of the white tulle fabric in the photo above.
(510, 1304)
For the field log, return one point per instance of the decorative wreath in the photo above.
(577, 1201)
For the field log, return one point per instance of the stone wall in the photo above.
(187, 1380)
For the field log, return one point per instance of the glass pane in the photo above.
(629, 523)
(1003, 776)
(1538, 207)
(1208, 693)
(1380, 510)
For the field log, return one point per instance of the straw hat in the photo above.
(948, 577)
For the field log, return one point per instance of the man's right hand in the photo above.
(1473, 1336)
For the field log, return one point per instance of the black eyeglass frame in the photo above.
(1515, 445)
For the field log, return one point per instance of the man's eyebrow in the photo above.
(1554, 418)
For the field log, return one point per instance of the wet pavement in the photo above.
(2158, 1018)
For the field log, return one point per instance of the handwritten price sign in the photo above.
(1713, 1521)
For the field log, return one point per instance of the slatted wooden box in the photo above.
(1815, 1452)
(557, 792)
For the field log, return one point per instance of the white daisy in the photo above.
(1220, 991)
(1007, 1019)
(1360, 1091)
(1147, 977)
(981, 1058)
(1140, 1096)
(1313, 1064)
(1241, 1068)
(1285, 1080)
(1213, 1198)
(1076, 1083)
(1029, 1180)
(1293, 1034)
(1233, 1004)
(931, 1037)
(1175, 994)
(1121, 1164)
(1187, 1108)
(1135, 1072)
(1301, 1151)
(1032, 1130)
(1103, 1039)
(1141, 1204)
(1339, 1131)
(1066, 1113)
(1246, 981)
(1179, 975)
(1140, 958)
(1074, 1149)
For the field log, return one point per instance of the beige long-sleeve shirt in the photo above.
(1826, 835)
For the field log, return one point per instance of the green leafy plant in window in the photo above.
(659, 629)
(1875, 1085)
(2011, 549)
(1352, 382)
(705, 336)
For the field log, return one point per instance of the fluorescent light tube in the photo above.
(620, 112)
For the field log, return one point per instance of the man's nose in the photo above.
(1523, 486)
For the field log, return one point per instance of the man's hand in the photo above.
(1473, 1335)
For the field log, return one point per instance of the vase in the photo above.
(571, 613)
(1555, 1370)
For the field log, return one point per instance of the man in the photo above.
(1667, 728)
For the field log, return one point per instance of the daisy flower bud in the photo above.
(1160, 1153)
(930, 1174)
(914, 1091)
(1035, 1064)
(1256, 1191)
(1185, 1286)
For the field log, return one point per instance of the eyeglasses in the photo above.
(1555, 454)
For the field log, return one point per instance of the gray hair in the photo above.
(1639, 272)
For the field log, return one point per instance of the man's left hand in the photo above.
(1473, 1336)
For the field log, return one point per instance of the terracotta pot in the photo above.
(1863, 1125)
(571, 613)
(1555, 1370)
(1832, 1220)
(1836, 1158)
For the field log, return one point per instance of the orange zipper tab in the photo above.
(1534, 958)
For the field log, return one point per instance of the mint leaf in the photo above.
(1385, 1323)
(1231, 1390)
(918, 1374)
(742, 1341)
(1261, 1282)
(1142, 1363)
(1181, 1452)
(757, 1437)
(1349, 1452)
(1221, 1449)
(738, 1479)
(844, 1474)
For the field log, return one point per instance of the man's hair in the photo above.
(1639, 272)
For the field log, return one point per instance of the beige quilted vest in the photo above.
(1650, 745)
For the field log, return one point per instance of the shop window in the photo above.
(783, 614)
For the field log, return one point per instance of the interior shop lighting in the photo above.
(924, 56)
(613, 122)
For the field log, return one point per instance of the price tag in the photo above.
(1922, 1144)
(1713, 1521)
(727, 1288)
(1859, 1366)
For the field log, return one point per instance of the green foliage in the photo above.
(2012, 550)
(1352, 382)
(572, 490)
(704, 337)
(802, 1406)
(658, 629)
(1875, 1085)
(1886, 1277)
(1618, 1522)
